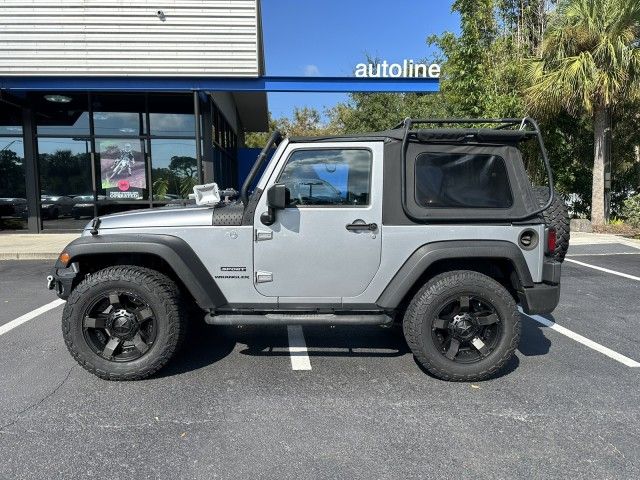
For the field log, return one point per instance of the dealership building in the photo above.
(103, 106)
(111, 105)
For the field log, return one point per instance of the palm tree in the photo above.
(589, 62)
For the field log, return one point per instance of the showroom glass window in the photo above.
(328, 177)
(65, 179)
(225, 145)
(121, 160)
(174, 165)
(118, 114)
(13, 198)
(102, 153)
(64, 157)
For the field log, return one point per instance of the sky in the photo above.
(330, 37)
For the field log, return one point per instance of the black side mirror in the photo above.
(278, 197)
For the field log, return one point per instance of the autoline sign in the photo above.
(397, 70)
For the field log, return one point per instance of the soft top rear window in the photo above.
(461, 180)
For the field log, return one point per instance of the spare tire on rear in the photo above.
(556, 217)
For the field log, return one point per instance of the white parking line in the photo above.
(7, 327)
(600, 254)
(584, 341)
(298, 348)
(613, 272)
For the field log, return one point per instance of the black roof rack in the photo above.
(513, 128)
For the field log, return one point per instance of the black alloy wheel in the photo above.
(119, 326)
(466, 329)
(462, 325)
(124, 322)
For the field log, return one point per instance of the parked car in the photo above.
(55, 206)
(12, 207)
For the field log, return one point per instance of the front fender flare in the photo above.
(173, 250)
(428, 254)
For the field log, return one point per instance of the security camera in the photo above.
(161, 15)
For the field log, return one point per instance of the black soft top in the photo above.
(402, 141)
(448, 135)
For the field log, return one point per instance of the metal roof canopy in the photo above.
(260, 84)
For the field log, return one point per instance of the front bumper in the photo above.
(543, 297)
(61, 279)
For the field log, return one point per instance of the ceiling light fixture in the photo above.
(57, 98)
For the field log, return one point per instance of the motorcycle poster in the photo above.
(122, 169)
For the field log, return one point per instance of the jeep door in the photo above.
(326, 243)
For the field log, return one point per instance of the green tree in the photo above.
(11, 174)
(183, 166)
(306, 122)
(589, 63)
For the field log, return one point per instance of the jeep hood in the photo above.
(157, 217)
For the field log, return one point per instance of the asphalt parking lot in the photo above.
(333, 402)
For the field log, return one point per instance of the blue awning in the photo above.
(211, 84)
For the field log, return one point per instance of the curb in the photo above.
(28, 256)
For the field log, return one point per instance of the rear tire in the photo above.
(124, 322)
(462, 326)
(556, 217)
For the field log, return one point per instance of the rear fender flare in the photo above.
(430, 253)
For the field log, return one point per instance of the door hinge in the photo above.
(263, 277)
(263, 235)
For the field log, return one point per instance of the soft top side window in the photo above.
(461, 180)
(328, 177)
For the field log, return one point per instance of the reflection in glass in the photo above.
(10, 121)
(118, 114)
(174, 168)
(10, 130)
(13, 198)
(54, 118)
(172, 124)
(328, 177)
(65, 175)
(118, 123)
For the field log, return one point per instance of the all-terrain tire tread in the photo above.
(556, 216)
(154, 282)
(430, 293)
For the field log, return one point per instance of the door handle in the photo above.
(361, 225)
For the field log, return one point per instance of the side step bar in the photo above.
(299, 319)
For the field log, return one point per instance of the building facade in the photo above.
(101, 109)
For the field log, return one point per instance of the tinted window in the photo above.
(13, 197)
(328, 177)
(171, 115)
(172, 124)
(61, 114)
(65, 174)
(461, 181)
(116, 114)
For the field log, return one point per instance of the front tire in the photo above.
(462, 326)
(124, 322)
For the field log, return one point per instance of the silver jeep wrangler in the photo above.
(438, 228)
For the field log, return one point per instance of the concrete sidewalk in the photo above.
(583, 238)
(26, 246)
(21, 246)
